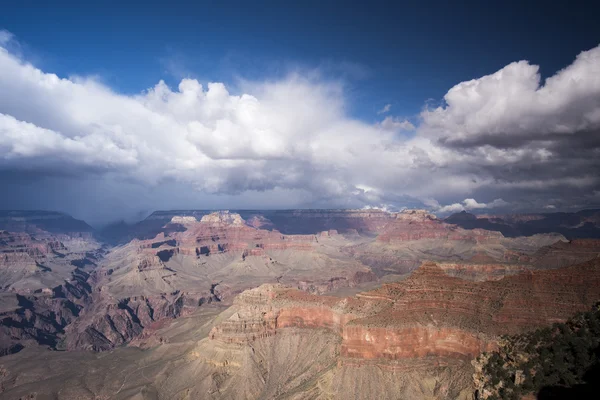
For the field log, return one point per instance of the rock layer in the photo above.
(428, 314)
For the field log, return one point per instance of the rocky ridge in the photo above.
(428, 314)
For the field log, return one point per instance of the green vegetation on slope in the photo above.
(555, 357)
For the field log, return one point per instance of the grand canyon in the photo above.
(278, 304)
(309, 200)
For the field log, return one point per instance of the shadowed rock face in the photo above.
(47, 221)
(203, 258)
(288, 222)
(43, 279)
(211, 259)
(299, 332)
(584, 224)
(412, 337)
(581, 224)
(42, 316)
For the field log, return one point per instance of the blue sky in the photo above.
(491, 106)
(402, 53)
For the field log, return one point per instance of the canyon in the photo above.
(270, 304)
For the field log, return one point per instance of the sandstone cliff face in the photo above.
(223, 232)
(562, 253)
(412, 338)
(367, 343)
(428, 326)
(148, 281)
(213, 256)
(428, 314)
(478, 271)
(412, 226)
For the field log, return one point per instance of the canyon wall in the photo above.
(428, 314)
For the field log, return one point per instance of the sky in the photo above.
(110, 110)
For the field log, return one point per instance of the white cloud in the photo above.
(500, 136)
(511, 105)
(5, 37)
(396, 124)
(289, 134)
(385, 109)
(470, 204)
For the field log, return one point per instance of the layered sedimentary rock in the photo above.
(412, 225)
(198, 261)
(428, 314)
(411, 338)
(107, 324)
(562, 254)
(223, 231)
(581, 224)
(201, 257)
(484, 268)
(414, 235)
(43, 221)
(289, 222)
(40, 317)
(43, 280)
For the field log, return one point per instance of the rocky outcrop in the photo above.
(413, 225)
(428, 314)
(564, 253)
(183, 219)
(332, 284)
(359, 342)
(581, 224)
(223, 218)
(289, 222)
(482, 271)
(42, 317)
(44, 284)
(48, 222)
(106, 324)
(226, 232)
(24, 243)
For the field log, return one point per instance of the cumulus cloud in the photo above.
(502, 136)
(469, 205)
(396, 124)
(511, 107)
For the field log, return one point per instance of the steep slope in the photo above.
(430, 324)
(415, 235)
(47, 221)
(409, 339)
(200, 258)
(44, 286)
(199, 262)
(289, 222)
(581, 224)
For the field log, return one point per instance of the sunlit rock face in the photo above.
(183, 220)
(223, 217)
(429, 314)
